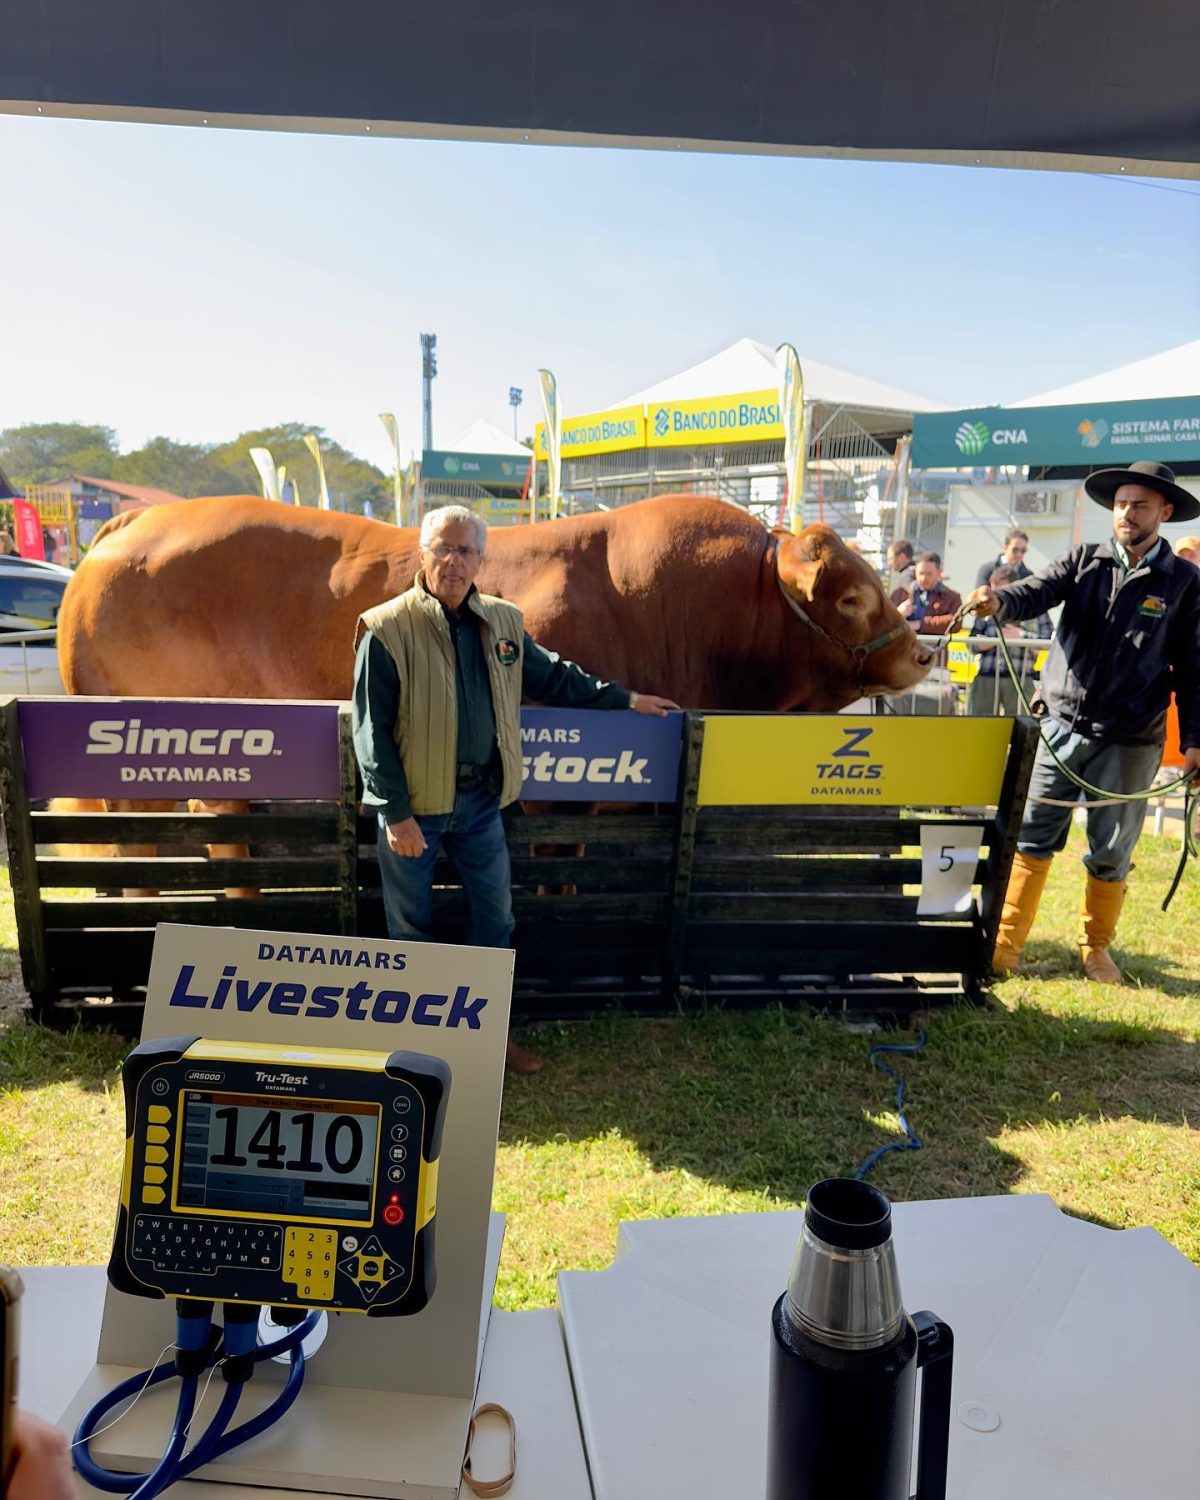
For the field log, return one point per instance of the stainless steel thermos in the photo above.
(844, 1362)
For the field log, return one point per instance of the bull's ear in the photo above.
(799, 566)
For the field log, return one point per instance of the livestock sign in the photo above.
(572, 755)
(174, 748)
(851, 760)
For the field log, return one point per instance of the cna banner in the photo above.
(1102, 433)
(795, 428)
(549, 389)
(177, 748)
(30, 541)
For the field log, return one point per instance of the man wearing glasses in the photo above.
(1016, 545)
(438, 681)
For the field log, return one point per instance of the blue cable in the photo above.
(166, 1471)
(215, 1440)
(913, 1141)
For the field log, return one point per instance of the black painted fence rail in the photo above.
(651, 910)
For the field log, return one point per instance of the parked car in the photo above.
(30, 596)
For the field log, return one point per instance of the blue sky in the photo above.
(200, 282)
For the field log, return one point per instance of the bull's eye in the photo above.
(850, 603)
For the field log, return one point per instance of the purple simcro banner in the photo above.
(176, 748)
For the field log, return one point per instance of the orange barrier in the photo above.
(1172, 755)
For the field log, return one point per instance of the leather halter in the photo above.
(858, 653)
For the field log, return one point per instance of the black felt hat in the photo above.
(1103, 485)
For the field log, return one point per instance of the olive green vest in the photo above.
(415, 632)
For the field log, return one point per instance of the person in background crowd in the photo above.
(1188, 548)
(900, 562)
(1128, 634)
(41, 1462)
(1016, 545)
(927, 604)
(993, 691)
(439, 676)
(8, 546)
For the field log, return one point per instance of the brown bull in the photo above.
(687, 597)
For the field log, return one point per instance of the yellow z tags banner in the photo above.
(850, 760)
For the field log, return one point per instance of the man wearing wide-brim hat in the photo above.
(1129, 634)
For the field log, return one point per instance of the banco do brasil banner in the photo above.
(1102, 433)
(752, 416)
(177, 748)
(597, 432)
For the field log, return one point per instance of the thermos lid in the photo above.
(847, 1214)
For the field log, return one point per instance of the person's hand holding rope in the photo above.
(985, 602)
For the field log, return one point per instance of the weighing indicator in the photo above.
(290, 1177)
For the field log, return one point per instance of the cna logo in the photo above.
(1093, 433)
(972, 438)
(851, 769)
(662, 422)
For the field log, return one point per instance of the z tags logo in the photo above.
(851, 761)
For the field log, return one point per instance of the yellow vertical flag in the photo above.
(549, 389)
(793, 415)
(313, 444)
(393, 431)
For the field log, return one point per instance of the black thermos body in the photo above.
(844, 1362)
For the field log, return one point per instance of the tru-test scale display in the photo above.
(280, 1176)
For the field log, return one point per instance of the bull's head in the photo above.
(840, 599)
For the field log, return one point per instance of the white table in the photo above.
(1083, 1343)
(524, 1369)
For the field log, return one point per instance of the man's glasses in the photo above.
(444, 554)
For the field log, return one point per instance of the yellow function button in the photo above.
(154, 1174)
(157, 1135)
(158, 1114)
(155, 1155)
(153, 1195)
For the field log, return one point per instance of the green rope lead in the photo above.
(1189, 781)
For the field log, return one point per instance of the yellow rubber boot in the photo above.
(1025, 886)
(1102, 902)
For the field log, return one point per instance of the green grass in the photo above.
(1085, 1092)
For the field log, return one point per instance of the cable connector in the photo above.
(194, 1343)
(241, 1340)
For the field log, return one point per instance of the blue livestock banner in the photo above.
(575, 755)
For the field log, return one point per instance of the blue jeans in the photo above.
(473, 837)
(1112, 832)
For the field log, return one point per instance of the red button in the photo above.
(393, 1214)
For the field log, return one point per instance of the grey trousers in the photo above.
(1112, 832)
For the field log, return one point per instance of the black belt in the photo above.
(468, 773)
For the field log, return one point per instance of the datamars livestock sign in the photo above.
(175, 748)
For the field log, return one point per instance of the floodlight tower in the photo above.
(428, 371)
(514, 400)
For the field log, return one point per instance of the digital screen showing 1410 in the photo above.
(308, 1158)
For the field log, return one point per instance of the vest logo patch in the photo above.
(1153, 606)
(507, 651)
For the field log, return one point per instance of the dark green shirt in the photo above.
(545, 677)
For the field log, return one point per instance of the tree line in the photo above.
(39, 452)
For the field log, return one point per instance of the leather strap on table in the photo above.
(489, 1489)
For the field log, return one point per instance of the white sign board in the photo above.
(949, 860)
(294, 989)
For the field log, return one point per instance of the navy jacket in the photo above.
(1124, 641)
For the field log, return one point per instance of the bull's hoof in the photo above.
(518, 1059)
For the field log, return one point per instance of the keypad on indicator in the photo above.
(199, 1246)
